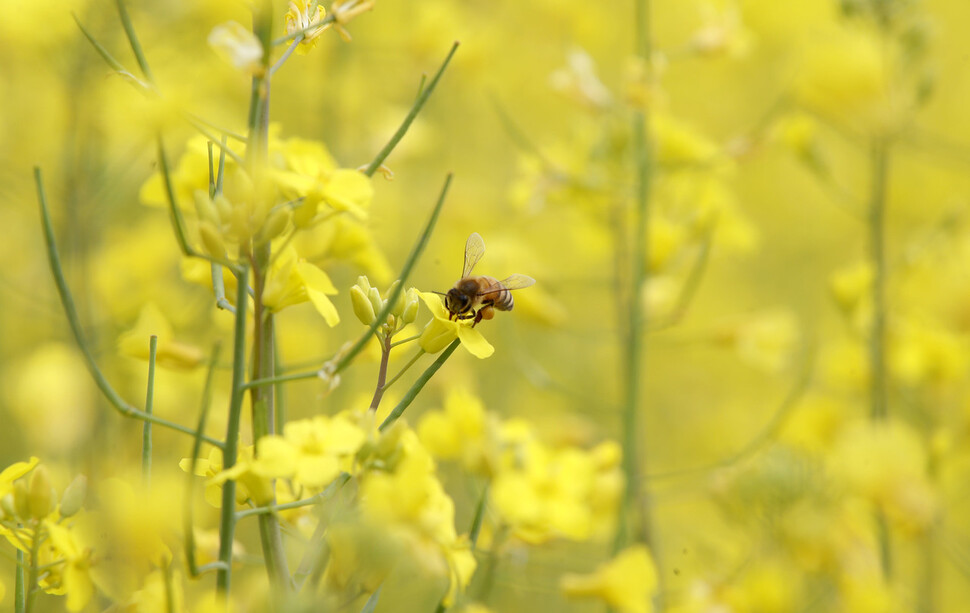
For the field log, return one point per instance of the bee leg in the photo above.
(486, 312)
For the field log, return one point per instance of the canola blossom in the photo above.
(232, 382)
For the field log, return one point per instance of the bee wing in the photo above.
(517, 282)
(474, 250)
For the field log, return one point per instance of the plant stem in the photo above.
(406, 367)
(381, 373)
(879, 380)
(415, 109)
(188, 524)
(878, 385)
(20, 592)
(30, 587)
(70, 311)
(146, 438)
(418, 385)
(227, 525)
(635, 521)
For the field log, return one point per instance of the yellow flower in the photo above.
(292, 281)
(311, 451)
(300, 19)
(441, 331)
(345, 10)
(75, 574)
(238, 46)
(463, 431)
(169, 353)
(627, 582)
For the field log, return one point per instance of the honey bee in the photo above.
(480, 296)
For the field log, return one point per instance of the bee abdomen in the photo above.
(496, 293)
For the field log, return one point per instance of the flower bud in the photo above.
(363, 308)
(204, 207)
(274, 225)
(7, 507)
(212, 240)
(20, 499)
(375, 299)
(398, 306)
(74, 496)
(40, 495)
(223, 207)
(410, 311)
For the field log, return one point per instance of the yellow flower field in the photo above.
(706, 261)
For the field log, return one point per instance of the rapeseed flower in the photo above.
(305, 16)
(627, 582)
(442, 330)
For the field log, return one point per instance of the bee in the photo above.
(480, 296)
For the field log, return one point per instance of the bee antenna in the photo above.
(439, 293)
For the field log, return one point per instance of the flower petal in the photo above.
(474, 342)
(318, 285)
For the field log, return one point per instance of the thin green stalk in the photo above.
(879, 379)
(406, 367)
(418, 385)
(188, 523)
(415, 109)
(371, 603)
(381, 373)
(261, 400)
(175, 213)
(133, 40)
(31, 586)
(146, 437)
(635, 521)
(298, 376)
(279, 390)
(286, 54)
(405, 340)
(878, 386)
(20, 592)
(227, 524)
(315, 555)
(70, 311)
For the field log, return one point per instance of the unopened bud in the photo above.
(398, 307)
(74, 496)
(20, 499)
(40, 496)
(223, 207)
(410, 312)
(204, 207)
(275, 225)
(212, 240)
(7, 506)
(306, 213)
(375, 299)
(363, 308)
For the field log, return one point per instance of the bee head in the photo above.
(457, 302)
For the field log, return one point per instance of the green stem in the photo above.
(634, 521)
(20, 592)
(879, 380)
(381, 373)
(418, 385)
(70, 311)
(133, 41)
(406, 367)
(405, 340)
(879, 407)
(146, 438)
(188, 525)
(262, 402)
(31, 586)
(227, 524)
(412, 114)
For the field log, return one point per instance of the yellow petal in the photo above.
(275, 457)
(434, 303)
(438, 334)
(349, 190)
(474, 342)
(318, 285)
